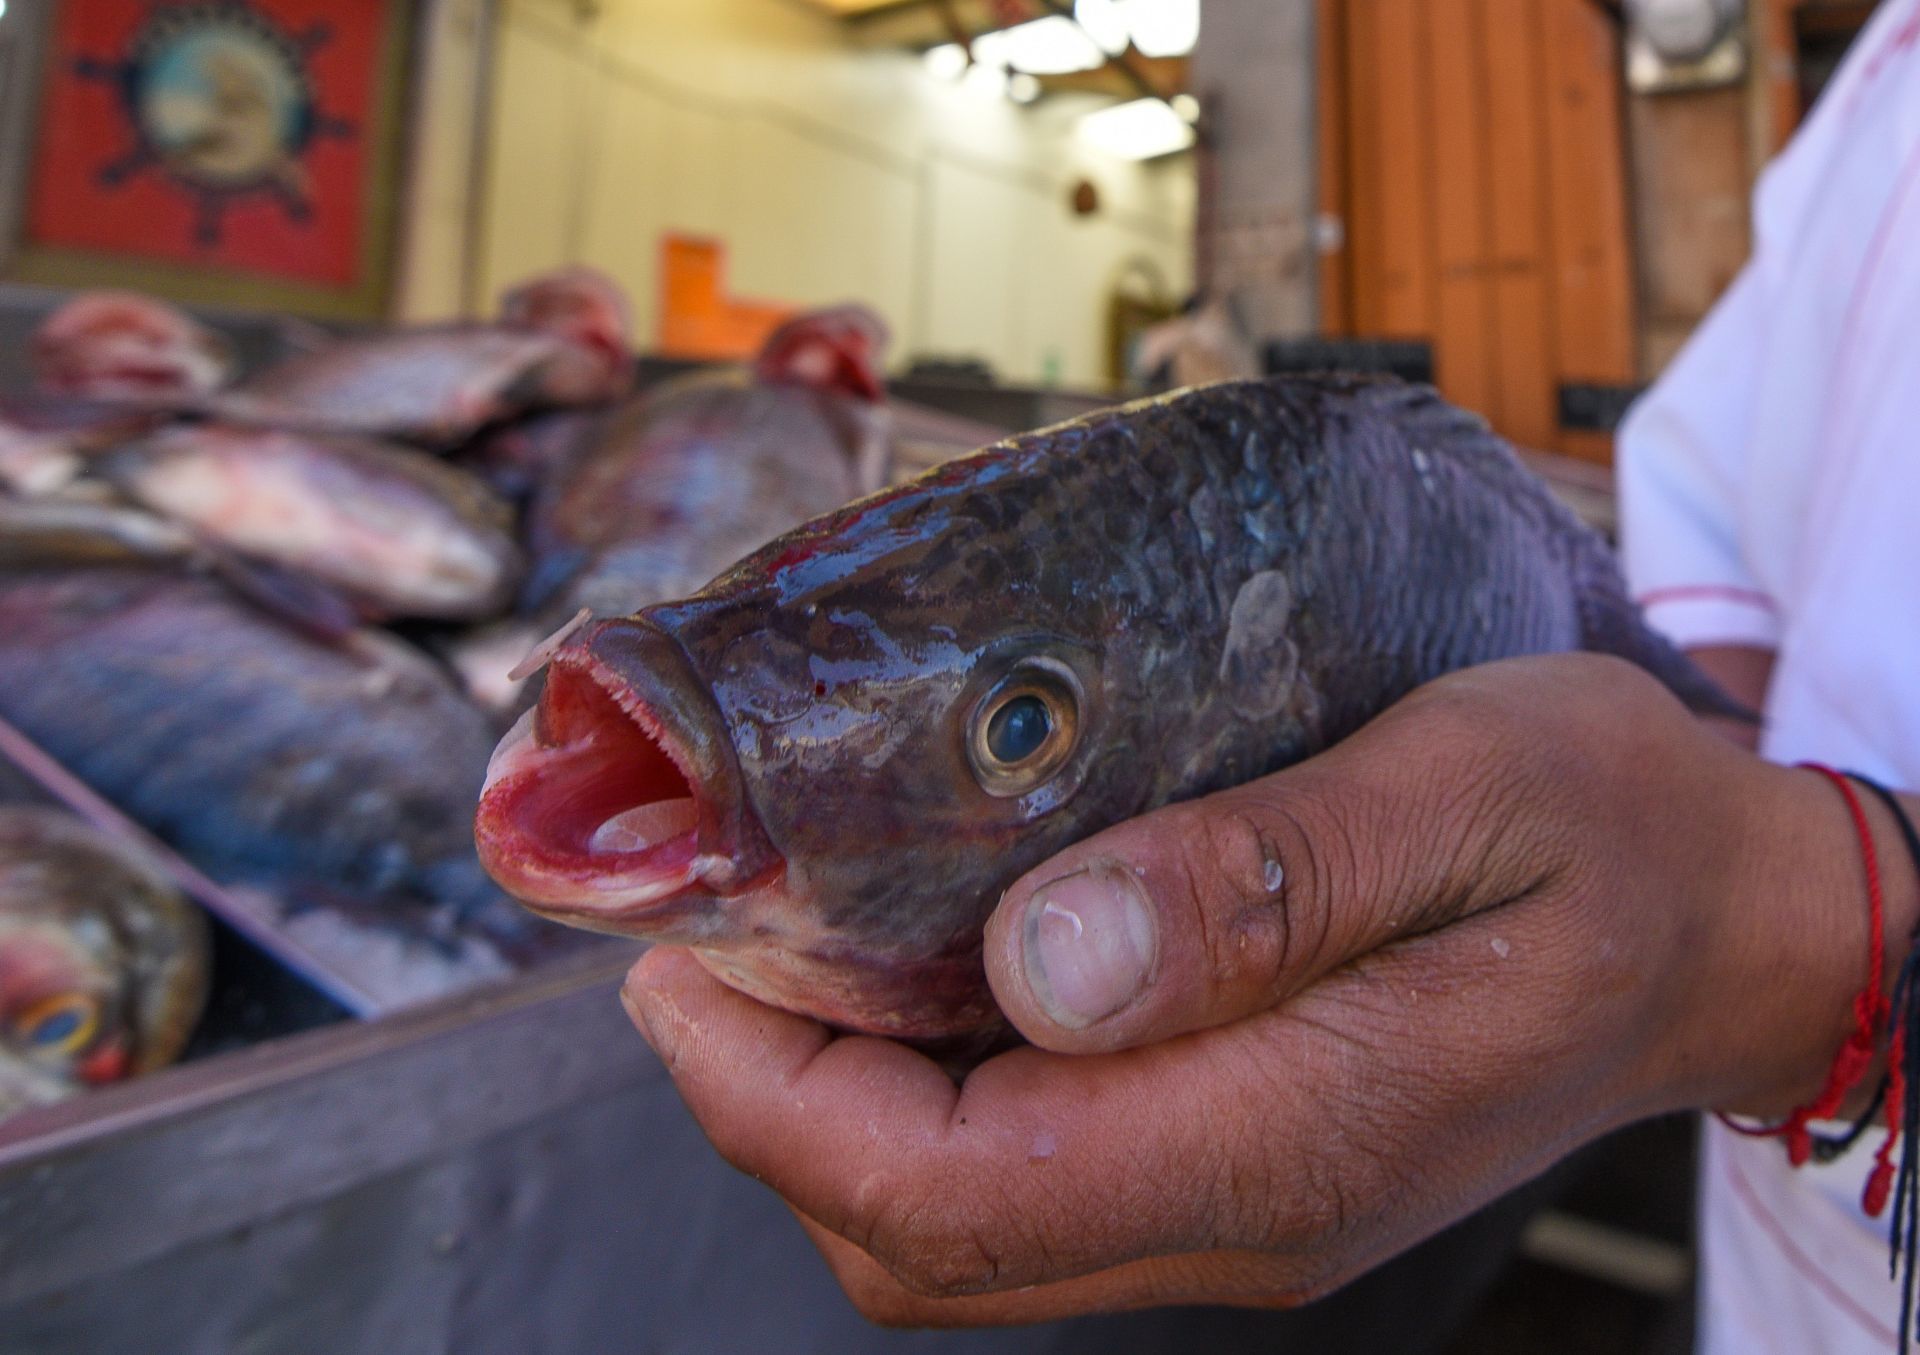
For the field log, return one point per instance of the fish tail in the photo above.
(1612, 623)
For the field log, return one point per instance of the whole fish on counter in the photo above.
(561, 339)
(103, 965)
(683, 480)
(821, 771)
(127, 348)
(109, 366)
(396, 531)
(326, 773)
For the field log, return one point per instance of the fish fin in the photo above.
(830, 350)
(867, 431)
(303, 602)
(1612, 623)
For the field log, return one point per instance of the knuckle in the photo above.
(946, 1266)
(1231, 861)
(931, 1250)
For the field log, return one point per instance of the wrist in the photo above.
(1797, 937)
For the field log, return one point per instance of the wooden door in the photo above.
(1474, 152)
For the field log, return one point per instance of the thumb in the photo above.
(1207, 911)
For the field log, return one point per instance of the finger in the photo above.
(1243, 1278)
(1207, 911)
(960, 1190)
(1349, 1123)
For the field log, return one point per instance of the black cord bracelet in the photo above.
(1905, 1221)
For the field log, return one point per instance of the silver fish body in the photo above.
(396, 530)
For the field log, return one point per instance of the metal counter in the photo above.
(506, 1173)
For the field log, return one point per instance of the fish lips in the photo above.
(618, 803)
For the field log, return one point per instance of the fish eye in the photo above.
(1025, 728)
(1018, 729)
(58, 1025)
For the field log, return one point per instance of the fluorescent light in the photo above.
(1105, 22)
(1023, 88)
(985, 78)
(1055, 45)
(1164, 27)
(946, 62)
(1139, 130)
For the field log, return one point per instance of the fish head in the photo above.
(103, 966)
(64, 1013)
(838, 349)
(812, 775)
(589, 311)
(124, 346)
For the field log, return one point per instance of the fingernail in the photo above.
(1089, 944)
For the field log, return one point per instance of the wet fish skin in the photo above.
(46, 441)
(1231, 579)
(554, 345)
(93, 936)
(680, 481)
(396, 530)
(126, 347)
(679, 484)
(317, 771)
(517, 458)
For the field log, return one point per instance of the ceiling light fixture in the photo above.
(1163, 27)
(1105, 22)
(945, 62)
(1143, 129)
(1055, 45)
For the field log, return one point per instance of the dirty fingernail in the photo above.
(1089, 944)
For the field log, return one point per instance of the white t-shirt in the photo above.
(1770, 495)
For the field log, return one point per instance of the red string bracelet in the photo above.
(1855, 1057)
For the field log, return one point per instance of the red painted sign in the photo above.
(235, 134)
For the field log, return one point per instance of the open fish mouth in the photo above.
(603, 810)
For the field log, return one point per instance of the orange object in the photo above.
(1477, 160)
(697, 317)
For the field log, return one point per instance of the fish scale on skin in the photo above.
(679, 482)
(398, 531)
(852, 837)
(341, 771)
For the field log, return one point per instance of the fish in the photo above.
(128, 348)
(103, 963)
(516, 458)
(324, 773)
(392, 529)
(821, 771)
(560, 339)
(684, 479)
(47, 441)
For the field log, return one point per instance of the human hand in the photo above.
(1288, 1030)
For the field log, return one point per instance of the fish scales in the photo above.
(1180, 595)
(264, 756)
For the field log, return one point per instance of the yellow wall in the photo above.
(832, 171)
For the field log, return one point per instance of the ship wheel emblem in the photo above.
(218, 99)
